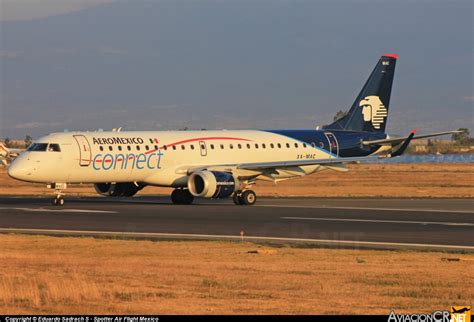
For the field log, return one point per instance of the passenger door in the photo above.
(333, 145)
(85, 153)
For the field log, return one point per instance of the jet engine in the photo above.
(125, 189)
(212, 184)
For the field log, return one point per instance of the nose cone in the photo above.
(17, 171)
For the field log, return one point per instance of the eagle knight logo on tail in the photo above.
(373, 110)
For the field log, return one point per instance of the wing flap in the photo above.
(300, 163)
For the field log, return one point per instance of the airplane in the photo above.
(216, 164)
(462, 310)
(8, 154)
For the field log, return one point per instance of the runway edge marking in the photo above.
(424, 223)
(41, 209)
(368, 208)
(236, 238)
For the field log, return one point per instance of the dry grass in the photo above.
(368, 180)
(84, 275)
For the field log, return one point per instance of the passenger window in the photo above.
(304, 145)
(256, 145)
(231, 146)
(192, 146)
(156, 148)
(164, 147)
(119, 148)
(222, 146)
(288, 145)
(239, 146)
(138, 148)
(129, 148)
(54, 148)
(101, 148)
(279, 145)
(174, 147)
(212, 146)
(313, 144)
(146, 147)
(110, 148)
(248, 146)
(296, 145)
(182, 147)
(321, 145)
(203, 146)
(271, 145)
(263, 146)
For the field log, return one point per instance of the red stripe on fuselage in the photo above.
(207, 139)
(187, 141)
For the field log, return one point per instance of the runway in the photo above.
(438, 224)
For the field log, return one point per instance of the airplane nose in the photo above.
(16, 171)
(12, 171)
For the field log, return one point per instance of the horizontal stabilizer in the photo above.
(397, 141)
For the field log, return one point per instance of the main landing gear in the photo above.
(58, 187)
(182, 196)
(244, 197)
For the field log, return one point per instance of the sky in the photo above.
(233, 64)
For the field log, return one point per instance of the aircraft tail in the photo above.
(369, 111)
(4, 151)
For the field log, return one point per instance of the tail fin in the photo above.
(369, 111)
(4, 151)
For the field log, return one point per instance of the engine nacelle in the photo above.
(126, 189)
(212, 184)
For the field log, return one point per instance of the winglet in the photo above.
(404, 146)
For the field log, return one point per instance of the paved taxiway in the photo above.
(380, 223)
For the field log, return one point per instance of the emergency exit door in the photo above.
(202, 146)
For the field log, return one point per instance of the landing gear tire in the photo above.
(58, 201)
(182, 197)
(59, 195)
(237, 198)
(248, 197)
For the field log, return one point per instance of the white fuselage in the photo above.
(157, 158)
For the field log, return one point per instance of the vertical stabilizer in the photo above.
(369, 112)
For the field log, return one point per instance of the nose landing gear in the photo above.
(58, 201)
(58, 187)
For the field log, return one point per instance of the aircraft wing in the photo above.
(299, 163)
(15, 151)
(257, 168)
(7, 154)
(4, 151)
(397, 141)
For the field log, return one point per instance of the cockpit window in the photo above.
(54, 148)
(38, 147)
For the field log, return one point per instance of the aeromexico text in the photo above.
(117, 140)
